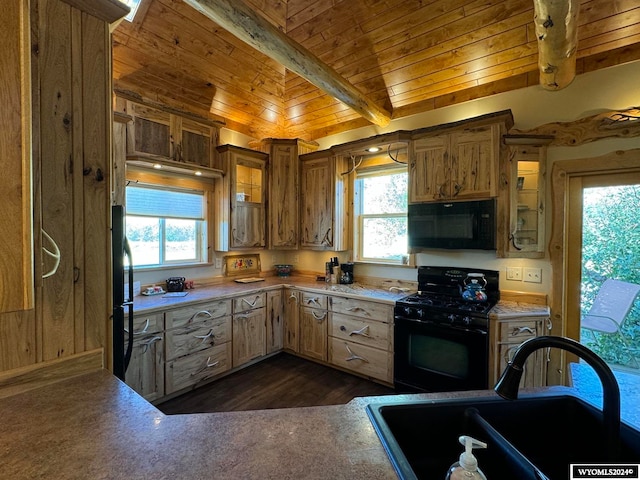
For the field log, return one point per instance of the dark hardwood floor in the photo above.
(281, 381)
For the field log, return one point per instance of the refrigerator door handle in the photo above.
(129, 304)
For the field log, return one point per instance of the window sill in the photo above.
(156, 268)
(383, 264)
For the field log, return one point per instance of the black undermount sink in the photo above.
(534, 437)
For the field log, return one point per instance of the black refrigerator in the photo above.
(122, 301)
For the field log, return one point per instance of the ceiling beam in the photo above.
(556, 25)
(239, 20)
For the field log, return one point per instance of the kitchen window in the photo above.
(380, 202)
(166, 225)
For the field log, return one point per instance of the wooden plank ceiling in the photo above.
(408, 56)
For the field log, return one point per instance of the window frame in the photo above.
(384, 169)
(176, 182)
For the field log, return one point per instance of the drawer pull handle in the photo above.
(399, 289)
(518, 330)
(314, 301)
(252, 304)
(294, 296)
(354, 309)
(364, 332)
(145, 346)
(201, 312)
(353, 356)
(206, 365)
(313, 312)
(144, 329)
(204, 337)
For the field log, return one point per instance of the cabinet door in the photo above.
(150, 131)
(248, 336)
(283, 197)
(313, 333)
(291, 302)
(145, 373)
(317, 194)
(275, 321)
(196, 143)
(429, 170)
(474, 163)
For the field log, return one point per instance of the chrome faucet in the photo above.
(507, 386)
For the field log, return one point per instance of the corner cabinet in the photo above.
(457, 161)
(523, 198)
(240, 199)
(284, 190)
(324, 190)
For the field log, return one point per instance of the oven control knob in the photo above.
(467, 320)
(420, 313)
(452, 318)
(407, 311)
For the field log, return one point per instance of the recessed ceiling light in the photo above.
(373, 149)
(198, 173)
(157, 166)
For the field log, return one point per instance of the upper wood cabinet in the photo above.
(521, 231)
(240, 197)
(284, 190)
(457, 161)
(324, 189)
(158, 132)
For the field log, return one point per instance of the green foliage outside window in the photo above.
(611, 249)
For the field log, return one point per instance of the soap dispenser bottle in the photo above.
(466, 468)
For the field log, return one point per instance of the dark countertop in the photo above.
(95, 426)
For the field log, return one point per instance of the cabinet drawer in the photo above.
(197, 336)
(314, 300)
(198, 367)
(249, 302)
(365, 332)
(519, 330)
(146, 324)
(361, 308)
(198, 313)
(361, 359)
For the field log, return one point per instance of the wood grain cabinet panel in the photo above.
(275, 321)
(198, 336)
(145, 373)
(313, 333)
(197, 368)
(361, 337)
(240, 199)
(458, 161)
(249, 328)
(507, 335)
(324, 218)
(291, 305)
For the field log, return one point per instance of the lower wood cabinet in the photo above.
(198, 367)
(313, 326)
(275, 321)
(249, 328)
(145, 373)
(291, 307)
(198, 344)
(362, 340)
(507, 335)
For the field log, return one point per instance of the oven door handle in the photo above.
(440, 326)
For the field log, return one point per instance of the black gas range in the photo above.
(441, 333)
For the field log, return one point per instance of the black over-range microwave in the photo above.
(454, 225)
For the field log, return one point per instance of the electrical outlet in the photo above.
(274, 259)
(533, 275)
(218, 263)
(296, 259)
(514, 273)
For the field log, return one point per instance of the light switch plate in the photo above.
(218, 263)
(514, 273)
(533, 275)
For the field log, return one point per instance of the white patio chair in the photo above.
(611, 306)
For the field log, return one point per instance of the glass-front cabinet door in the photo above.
(526, 206)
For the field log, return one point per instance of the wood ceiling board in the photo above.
(418, 55)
